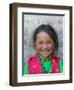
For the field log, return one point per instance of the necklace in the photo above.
(46, 63)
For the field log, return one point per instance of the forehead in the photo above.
(43, 36)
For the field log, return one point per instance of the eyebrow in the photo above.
(45, 41)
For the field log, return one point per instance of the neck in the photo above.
(47, 58)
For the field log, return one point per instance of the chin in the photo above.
(45, 55)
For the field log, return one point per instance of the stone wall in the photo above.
(31, 22)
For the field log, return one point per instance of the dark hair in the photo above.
(49, 30)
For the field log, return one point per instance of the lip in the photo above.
(46, 53)
(45, 50)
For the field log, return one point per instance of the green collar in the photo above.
(43, 58)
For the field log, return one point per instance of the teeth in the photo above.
(43, 50)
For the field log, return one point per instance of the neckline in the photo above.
(45, 59)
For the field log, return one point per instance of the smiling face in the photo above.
(44, 44)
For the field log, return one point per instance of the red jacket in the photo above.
(35, 65)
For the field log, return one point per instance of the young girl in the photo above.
(46, 44)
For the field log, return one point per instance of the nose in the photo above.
(45, 46)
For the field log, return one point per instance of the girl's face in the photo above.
(44, 44)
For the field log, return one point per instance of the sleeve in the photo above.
(61, 65)
(26, 69)
(60, 54)
(30, 63)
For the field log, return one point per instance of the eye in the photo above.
(40, 42)
(49, 42)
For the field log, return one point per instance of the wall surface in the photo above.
(31, 22)
(4, 45)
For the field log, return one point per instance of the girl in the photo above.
(45, 61)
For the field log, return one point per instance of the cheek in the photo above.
(38, 48)
(50, 46)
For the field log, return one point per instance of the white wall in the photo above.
(4, 45)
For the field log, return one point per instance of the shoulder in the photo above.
(33, 59)
(56, 59)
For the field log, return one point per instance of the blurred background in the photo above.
(31, 22)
